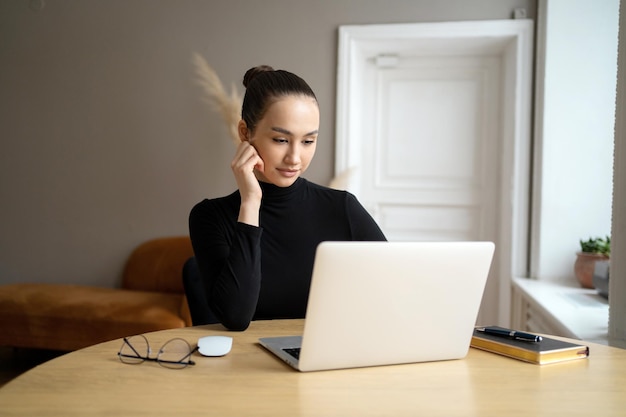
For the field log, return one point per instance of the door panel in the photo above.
(430, 148)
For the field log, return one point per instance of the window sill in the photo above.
(563, 308)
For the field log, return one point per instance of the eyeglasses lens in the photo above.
(134, 350)
(175, 354)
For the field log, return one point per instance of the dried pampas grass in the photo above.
(343, 181)
(228, 105)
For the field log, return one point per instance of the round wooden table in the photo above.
(251, 381)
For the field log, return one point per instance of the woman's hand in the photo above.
(244, 163)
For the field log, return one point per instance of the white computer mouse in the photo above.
(215, 345)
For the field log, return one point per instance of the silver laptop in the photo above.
(383, 303)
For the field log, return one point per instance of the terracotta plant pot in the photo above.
(584, 266)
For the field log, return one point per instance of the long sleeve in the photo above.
(229, 254)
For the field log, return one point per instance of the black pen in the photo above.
(511, 334)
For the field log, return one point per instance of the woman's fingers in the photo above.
(245, 157)
(244, 163)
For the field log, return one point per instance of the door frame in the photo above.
(512, 40)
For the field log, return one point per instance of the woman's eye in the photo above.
(309, 141)
(280, 140)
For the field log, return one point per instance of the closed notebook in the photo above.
(547, 351)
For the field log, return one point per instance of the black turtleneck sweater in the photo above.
(264, 272)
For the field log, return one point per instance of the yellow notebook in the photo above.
(546, 351)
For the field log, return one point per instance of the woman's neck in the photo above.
(272, 191)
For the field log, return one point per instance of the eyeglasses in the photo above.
(174, 354)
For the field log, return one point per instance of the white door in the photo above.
(433, 151)
(430, 124)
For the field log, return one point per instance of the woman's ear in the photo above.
(243, 131)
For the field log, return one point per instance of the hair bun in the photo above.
(253, 72)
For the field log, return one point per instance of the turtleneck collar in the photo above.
(273, 192)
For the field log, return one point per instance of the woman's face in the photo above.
(286, 138)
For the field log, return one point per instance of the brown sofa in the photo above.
(68, 317)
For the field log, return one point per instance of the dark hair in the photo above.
(264, 86)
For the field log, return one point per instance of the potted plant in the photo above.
(591, 251)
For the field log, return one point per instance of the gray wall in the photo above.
(105, 139)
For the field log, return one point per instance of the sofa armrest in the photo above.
(185, 314)
(157, 265)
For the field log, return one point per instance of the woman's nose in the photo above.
(293, 155)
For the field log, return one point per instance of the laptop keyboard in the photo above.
(295, 352)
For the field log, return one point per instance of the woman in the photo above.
(255, 247)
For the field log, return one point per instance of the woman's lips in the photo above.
(288, 172)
